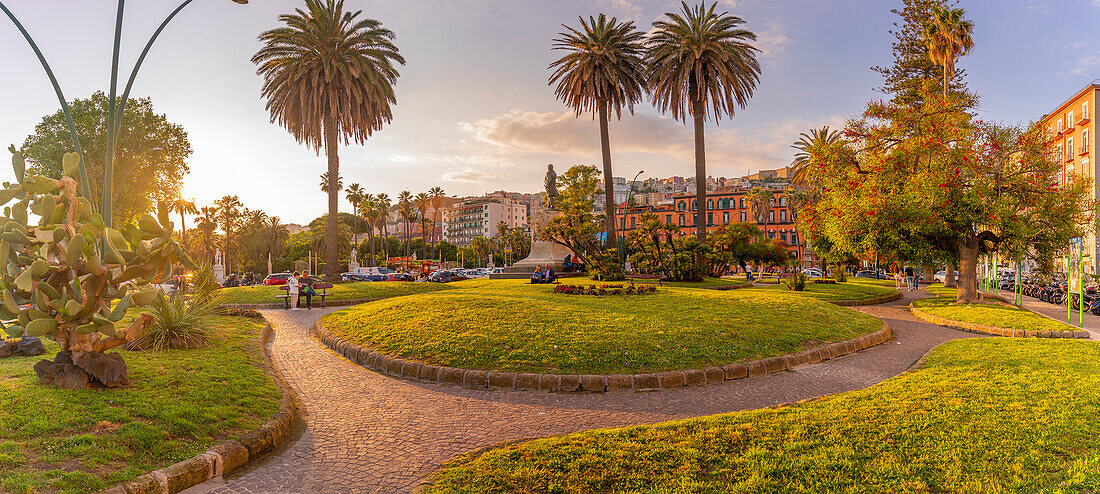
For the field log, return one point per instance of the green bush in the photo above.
(839, 274)
(177, 323)
(797, 282)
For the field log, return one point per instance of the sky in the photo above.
(474, 111)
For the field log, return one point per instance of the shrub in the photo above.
(243, 313)
(797, 282)
(177, 323)
(839, 274)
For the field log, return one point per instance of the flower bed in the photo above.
(619, 289)
(242, 312)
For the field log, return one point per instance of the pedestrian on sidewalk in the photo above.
(898, 279)
(292, 290)
(910, 277)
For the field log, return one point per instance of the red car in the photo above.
(276, 279)
(400, 277)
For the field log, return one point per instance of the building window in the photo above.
(783, 235)
(725, 217)
(694, 204)
(632, 222)
(681, 220)
(1085, 141)
(742, 216)
(710, 218)
(794, 238)
(771, 234)
(622, 223)
(742, 206)
(771, 216)
(1059, 126)
(1069, 148)
(668, 219)
(1069, 120)
(783, 215)
(680, 205)
(710, 204)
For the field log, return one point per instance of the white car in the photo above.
(941, 275)
(813, 272)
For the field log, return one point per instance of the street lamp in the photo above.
(115, 108)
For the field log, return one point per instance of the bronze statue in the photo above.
(551, 185)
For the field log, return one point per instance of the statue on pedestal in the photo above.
(550, 182)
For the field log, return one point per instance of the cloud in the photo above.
(524, 136)
(470, 175)
(1044, 8)
(772, 40)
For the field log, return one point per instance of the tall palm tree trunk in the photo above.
(332, 269)
(700, 175)
(183, 229)
(610, 206)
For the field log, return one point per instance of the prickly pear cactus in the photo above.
(61, 276)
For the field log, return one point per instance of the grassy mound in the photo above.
(982, 416)
(508, 325)
(180, 403)
(989, 314)
(339, 291)
(853, 289)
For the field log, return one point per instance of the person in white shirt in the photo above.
(292, 290)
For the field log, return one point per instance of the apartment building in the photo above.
(478, 217)
(1070, 131)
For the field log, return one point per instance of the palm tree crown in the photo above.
(698, 55)
(813, 149)
(948, 36)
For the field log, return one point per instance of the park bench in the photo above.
(659, 278)
(320, 288)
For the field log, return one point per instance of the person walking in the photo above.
(305, 287)
(292, 290)
(909, 277)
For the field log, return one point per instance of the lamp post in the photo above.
(115, 108)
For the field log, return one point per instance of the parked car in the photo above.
(400, 277)
(442, 276)
(276, 279)
(941, 275)
(353, 277)
(813, 272)
(866, 273)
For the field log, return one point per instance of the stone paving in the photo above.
(368, 433)
(1058, 313)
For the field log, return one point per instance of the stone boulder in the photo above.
(6, 348)
(30, 346)
(67, 376)
(108, 369)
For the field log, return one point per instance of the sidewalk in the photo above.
(1058, 313)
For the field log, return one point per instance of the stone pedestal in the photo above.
(543, 252)
(219, 273)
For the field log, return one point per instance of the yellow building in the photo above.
(1071, 131)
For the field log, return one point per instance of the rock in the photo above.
(63, 358)
(31, 347)
(108, 369)
(67, 376)
(5, 348)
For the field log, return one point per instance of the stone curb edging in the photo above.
(994, 330)
(870, 301)
(228, 455)
(519, 381)
(279, 305)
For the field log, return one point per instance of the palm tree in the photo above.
(425, 223)
(273, 237)
(760, 201)
(437, 195)
(329, 74)
(355, 196)
(407, 212)
(819, 146)
(384, 203)
(183, 206)
(699, 58)
(602, 70)
(229, 216)
(207, 224)
(367, 212)
(947, 35)
(324, 182)
(319, 237)
(423, 203)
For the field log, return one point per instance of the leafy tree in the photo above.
(151, 153)
(701, 62)
(930, 182)
(760, 202)
(407, 211)
(658, 248)
(329, 74)
(602, 71)
(577, 227)
(207, 227)
(273, 237)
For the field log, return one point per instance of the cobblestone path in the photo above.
(369, 433)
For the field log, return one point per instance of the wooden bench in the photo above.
(320, 288)
(659, 278)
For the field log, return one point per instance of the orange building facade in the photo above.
(1071, 133)
(723, 208)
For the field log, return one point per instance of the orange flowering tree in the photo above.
(930, 182)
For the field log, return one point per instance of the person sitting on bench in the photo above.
(536, 277)
(567, 265)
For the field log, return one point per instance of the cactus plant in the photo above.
(69, 276)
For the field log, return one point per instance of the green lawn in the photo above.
(509, 325)
(853, 289)
(989, 314)
(180, 403)
(339, 291)
(989, 415)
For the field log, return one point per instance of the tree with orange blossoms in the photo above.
(930, 183)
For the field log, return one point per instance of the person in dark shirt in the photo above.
(305, 287)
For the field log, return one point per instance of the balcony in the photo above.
(1054, 137)
(1068, 131)
(1069, 158)
(1084, 151)
(1083, 120)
